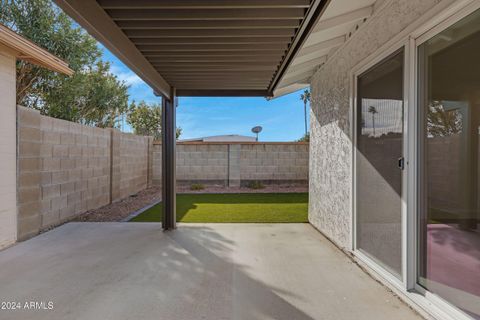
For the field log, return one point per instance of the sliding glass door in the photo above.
(449, 207)
(379, 162)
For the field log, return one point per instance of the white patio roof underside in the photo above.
(339, 21)
(222, 47)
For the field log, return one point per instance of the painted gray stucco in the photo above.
(331, 145)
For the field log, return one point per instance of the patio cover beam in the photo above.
(208, 4)
(95, 20)
(222, 93)
(206, 24)
(205, 14)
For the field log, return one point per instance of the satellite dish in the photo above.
(257, 130)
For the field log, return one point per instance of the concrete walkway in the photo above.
(200, 271)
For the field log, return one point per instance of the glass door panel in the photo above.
(379, 162)
(449, 100)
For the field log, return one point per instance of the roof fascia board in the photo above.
(289, 89)
(28, 51)
(316, 10)
(222, 93)
(342, 19)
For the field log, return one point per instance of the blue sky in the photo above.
(282, 119)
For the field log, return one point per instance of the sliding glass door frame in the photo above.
(410, 40)
(358, 71)
(416, 146)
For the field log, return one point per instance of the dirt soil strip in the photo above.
(123, 209)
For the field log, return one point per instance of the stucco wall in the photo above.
(330, 146)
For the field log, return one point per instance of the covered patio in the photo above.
(200, 271)
(217, 48)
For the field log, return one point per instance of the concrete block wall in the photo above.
(75, 169)
(234, 169)
(157, 164)
(235, 164)
(286, 162)
(134, 154)
(202, 162)
(67, 168)
(64, 171)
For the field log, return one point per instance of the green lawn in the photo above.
(242, 207)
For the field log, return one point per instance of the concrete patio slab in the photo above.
(199, 271)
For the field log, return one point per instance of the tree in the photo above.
(305, 97)
(93, 95)
(146, 120)
(305, 138)
(442, 122)
(373, 111)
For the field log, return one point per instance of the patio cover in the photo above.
(201, 48)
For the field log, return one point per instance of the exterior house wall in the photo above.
(8, 161)
(331, 146)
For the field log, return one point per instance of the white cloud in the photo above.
(126, 75)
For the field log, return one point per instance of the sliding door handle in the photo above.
(401, 163)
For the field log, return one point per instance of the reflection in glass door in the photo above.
(449, 99)
(379, 162)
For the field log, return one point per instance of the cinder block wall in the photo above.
(67, 168)
(274, 163)
(134, 153)
(235, 164)
(202, 162)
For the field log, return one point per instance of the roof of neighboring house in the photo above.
(223, 138)
(28, 51)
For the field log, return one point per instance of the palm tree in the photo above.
(305, 97)
(373, 111)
